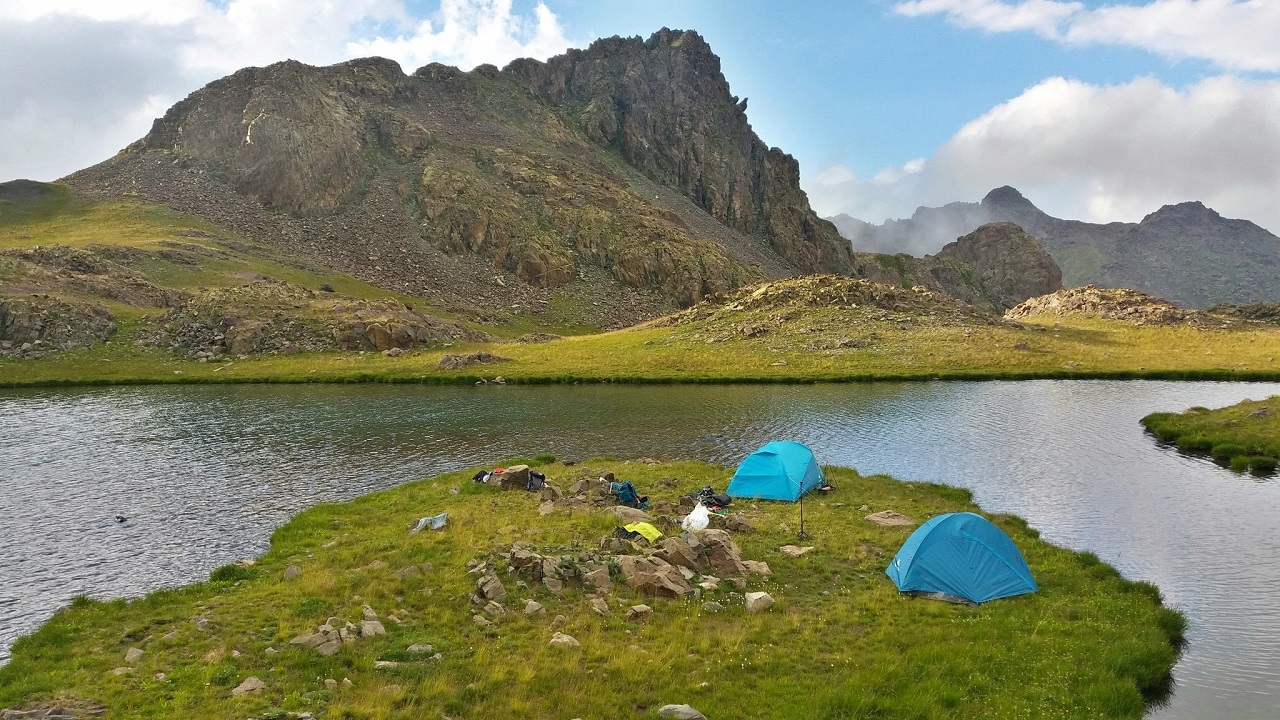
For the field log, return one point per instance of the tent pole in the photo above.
(803, 535)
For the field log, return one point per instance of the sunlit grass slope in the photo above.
(840, 643)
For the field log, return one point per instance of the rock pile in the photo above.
(33, 326)
(329, 638)
(270, 315)
(1128, 306)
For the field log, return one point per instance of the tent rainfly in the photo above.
(961, 555)
(781, 470)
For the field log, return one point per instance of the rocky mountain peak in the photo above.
(1007, 199)
(1193, 211)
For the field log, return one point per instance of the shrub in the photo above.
(231, 574)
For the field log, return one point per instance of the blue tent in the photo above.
(781, 470)
(962, 555)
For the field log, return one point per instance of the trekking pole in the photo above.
(803, 535)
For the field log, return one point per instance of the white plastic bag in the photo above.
(696, 520)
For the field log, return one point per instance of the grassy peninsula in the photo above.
(1244, 437)
(840, 642)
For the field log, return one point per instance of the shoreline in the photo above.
(338, 547)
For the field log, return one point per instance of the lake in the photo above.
(202, 474)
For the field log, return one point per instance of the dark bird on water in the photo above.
(121, 518)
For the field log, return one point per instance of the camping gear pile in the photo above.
(514, 477)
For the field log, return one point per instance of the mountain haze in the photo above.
(619, 181)
(1187, 253)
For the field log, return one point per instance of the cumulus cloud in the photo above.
(84, 78)
(1097, 153)
(467, 34)
(1236, 35)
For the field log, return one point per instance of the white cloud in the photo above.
(467, 34)
(1040, 16)
(84, 78)
(1097, 153)
(1233, 34)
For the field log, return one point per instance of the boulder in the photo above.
(367, 613)
(550, 493)
(653, 576)
(132, 656)
(481, 620)
(250, 685)
(533, 607)
(758, 601)
(292, 572)
(420, 649)
(757, 567)
(677, 552)
(600, 607)
(737, 523)
(712, 606)
(636, 613)
(680, 712)
(489, 587)
(889, 518)
(370, 628)
(562, 640)
(598, 579)
(629, 515)
(721, 552)
(515, 477)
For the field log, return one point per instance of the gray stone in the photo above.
(330, 647)
(653, 576)
(889, 518)
(533, 607)
(132, 656)
(405, 572)
(639, 612)
(367, 613)
(489, 587)
(385, 664)
(794, 550)
(370, 628)
(310, 640)
(598, 579)
(420, 649)
(494, 609)
(680, 712)
(629, 515)
(561, 640)
(757, 567)
(600, 607)
(292, 572)
(758, 601)
(555, 585)
(481, 620)
(722, 552)
(250, 685)
(712, 606)
(515, 477)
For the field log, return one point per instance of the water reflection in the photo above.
(204, 473)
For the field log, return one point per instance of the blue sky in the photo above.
(1096, 111)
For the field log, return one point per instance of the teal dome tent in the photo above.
(781, 470)
(961, 555)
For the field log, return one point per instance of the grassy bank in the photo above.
(1244, 437)
(1073, 348)
(840, 642)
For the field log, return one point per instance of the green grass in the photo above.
(1244, 437)
(840, 643)
(790, 343)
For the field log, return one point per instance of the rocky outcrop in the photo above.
(38, 324)
(665, 106)
(997, 266)
(1109, 304)
(407, 180)
(275, 316)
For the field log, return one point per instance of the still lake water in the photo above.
(204, 473)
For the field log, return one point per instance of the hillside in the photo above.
(996, 266)
(615, 183)
(1186, 253)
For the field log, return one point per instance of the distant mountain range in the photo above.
(1187, 252)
